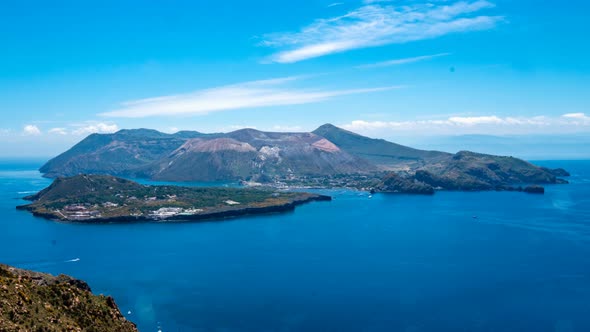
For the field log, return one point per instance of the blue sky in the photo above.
(391, 69)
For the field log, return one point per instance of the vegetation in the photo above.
(31, 301)
(106, 198)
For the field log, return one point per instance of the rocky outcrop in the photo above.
(560, 172)
(32, 301)
(474, 171)
(534, 190)
(394, 183)
(455, 180)
(469, 171)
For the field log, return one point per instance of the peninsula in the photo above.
(105, 198)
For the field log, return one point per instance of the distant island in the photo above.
(328, 157)
(105, 198)
(33, 301)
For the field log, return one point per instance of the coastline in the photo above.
(207, 216)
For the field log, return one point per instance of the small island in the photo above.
(109, 199)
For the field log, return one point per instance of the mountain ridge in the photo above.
(379, 151)
(299, 157)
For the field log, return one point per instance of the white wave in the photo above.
(72, 260)
(562, 204)
(26, 192)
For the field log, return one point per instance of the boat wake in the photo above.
(41, 265)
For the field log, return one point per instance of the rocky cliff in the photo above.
(32, 301)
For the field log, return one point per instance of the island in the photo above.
(33, 301)
(328, 157)
(107, 199)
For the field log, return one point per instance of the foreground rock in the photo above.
(32, 301)
(103, 198)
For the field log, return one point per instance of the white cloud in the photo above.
(375, 25)
(58, 131)
(403, 61)
(171, 130)
(92, 128)
(31, 130)
(230, 97)
(577, 118)
(288, 129)
(491, 124)
(335, 4)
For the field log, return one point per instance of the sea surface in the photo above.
(490, 261)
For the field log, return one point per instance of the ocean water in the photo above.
(389, 263)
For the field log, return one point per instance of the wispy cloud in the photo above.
(379, 24)
(334, 4)
(490, 124)
(266, 93)
(58, 131)
(85, 128)
(369, 2)
(403, 61)
(31, 130)
(68, 129)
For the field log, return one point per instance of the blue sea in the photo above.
(386, 263)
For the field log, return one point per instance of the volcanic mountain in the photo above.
(255, 155)
(192, 156)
